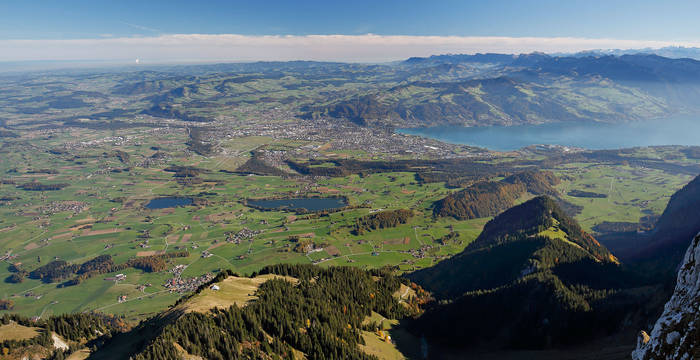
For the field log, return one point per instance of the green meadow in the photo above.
(37, 227)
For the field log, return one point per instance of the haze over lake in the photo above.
(676, 130)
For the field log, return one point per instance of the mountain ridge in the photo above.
(525, 89)
(534, 236)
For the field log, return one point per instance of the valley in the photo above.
(159, 201)
(104, 211)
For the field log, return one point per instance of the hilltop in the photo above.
(489, 198)
(532, 279)
(534, 236)
(299, 311)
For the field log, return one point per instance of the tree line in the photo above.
(321, 315)
(382, 220)
(58, 270)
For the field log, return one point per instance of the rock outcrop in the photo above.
(676, 335)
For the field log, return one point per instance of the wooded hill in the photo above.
(489, 198)
(533, 236)
(382, 220)
(320, 316)
(532, 279)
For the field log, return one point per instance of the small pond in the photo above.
(168, 202)
(310, 204)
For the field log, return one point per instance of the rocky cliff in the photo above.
(676, 335)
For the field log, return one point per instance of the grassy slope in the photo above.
(233, 290)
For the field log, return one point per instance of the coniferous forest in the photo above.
(321, 315)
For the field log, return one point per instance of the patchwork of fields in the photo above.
(101, 212)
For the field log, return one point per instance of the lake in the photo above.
(310, 204)
(676, 130)
(168, 202)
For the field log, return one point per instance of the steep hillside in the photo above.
(537, 311)
(533, 279)
(489, 198)
(483, 199)
(534, 236)
(319, 314)
(50, 337)
(679, 222)
(676, 335)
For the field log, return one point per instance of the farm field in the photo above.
(106, 181)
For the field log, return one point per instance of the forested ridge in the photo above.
(483, 199)
(321, 316)
(489, 198)
(532, 217)
(78, 330)
(532, 279)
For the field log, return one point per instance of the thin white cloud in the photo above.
(353, 48)
(141, 27)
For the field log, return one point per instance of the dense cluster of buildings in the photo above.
(182, 285)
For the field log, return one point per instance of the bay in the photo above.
(676, 130)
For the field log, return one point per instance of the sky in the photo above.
(360, 30)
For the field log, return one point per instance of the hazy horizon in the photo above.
(364, 31)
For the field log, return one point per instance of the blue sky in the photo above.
(46, 22)
(638, 19)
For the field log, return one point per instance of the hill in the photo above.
(534, 236)
(531, 280)
(489, 198)
(320, 313)
(483, 199)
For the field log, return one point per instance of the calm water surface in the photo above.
(311, 204)
(168, 202)
(677, 130)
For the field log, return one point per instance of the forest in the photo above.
(58, 270)
(37, 186)
(321, 316)
(382, 220)
(489, 198)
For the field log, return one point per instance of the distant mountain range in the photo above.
(673, 52)
(497, 89)
(470, 90)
